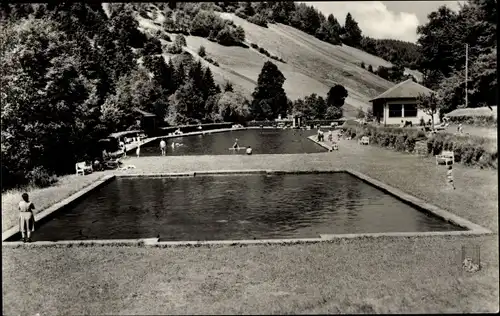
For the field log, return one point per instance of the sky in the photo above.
(385, 19)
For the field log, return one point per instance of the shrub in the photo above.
(422, 121)
(277, 58)
(410, 144)
(240, 12)
(180, 40)
(362, 65)
(487, 121)
(40, 177)
(174, 49)
(263, 51)
(212, 36)
(254, 46)
(258, 20)
(202, 52)
(226, 36)
(152, 47)
(165, 37)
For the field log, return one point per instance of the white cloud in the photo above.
(374, 19)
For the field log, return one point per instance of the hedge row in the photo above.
(488, 121)
(261, 123)
(468, 150)
(263, 51)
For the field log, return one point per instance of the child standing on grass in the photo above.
(26, 218)
(138, 150)
(449, 177)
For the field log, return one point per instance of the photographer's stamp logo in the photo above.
(471, 258)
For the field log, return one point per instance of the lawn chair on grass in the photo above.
(365, 140)
(445, 156)
(441, 127)
(82, 168)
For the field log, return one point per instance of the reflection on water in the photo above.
(265, 141)
(236, 207)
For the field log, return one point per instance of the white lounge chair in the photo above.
(82, 168)
(441, 127)
(365, 140)
(446, 155)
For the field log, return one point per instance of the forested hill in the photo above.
(310, 65)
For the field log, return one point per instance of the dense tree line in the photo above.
(442, 42)
(67, 82)
(396, 73)
(395, 51)
(199, 19)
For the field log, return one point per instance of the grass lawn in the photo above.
(358, 276)
(487, 132)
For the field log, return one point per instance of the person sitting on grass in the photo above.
(449, 177)
(249, 150)
(26, 218)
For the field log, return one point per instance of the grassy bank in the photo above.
(363, 276)
(470, 150)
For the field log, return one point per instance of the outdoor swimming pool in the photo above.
(262, 141)
(236, 207)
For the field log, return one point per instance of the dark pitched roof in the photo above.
(405, 89)
(144, 113)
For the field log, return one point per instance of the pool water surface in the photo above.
(236, 207)
(262, 141)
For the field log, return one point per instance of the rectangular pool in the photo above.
(262, 141)
(236, 207)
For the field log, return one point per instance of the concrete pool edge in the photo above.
(313, 138)
(472, 228)
(155, 243)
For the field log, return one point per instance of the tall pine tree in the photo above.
(352, 31)
(269, 97)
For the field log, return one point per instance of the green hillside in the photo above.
(311, 65)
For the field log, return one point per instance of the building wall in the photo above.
(397, 120)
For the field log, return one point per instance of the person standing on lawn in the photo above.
(26, 218)
(163, 147)
(138, 150)
(449, 177)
